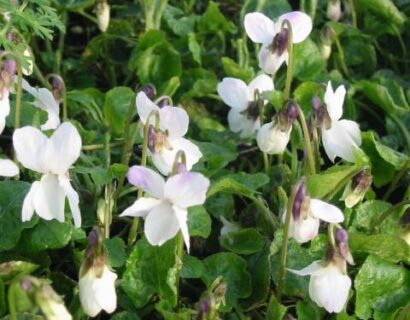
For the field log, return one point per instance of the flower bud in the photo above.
(271, 139)
(356, 189)
(164, 101)
(150, 91)
(342, 240)
(151, 138)
(292, 111)
(316, 103)
(334, 10)
(297, 203)
(58, 87)
(103, 15)
(10, 66)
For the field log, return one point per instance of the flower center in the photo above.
(157, 140)
(252, 112)
(280, 42)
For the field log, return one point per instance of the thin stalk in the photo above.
(261, 106)
(179, 256)
(132, 236)
(294, 161)
(341, 56)
(402, 127)
(265, 161)
(65, 105)
(12, 303)
(18, 96)
(396, 179)
(386, 213)
(267, 214)
(353, 11)
(316, 147)
(331, 234)
(289, 71)
(107, 149)
(308, 145)
(98, 146)
(284, 248)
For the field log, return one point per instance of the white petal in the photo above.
(271, 62)
(147, 180)
(141, 207)
(182, 217)
(301, 24)
(186, 189)
(8, 168)
(260, 28)
(329, 288)
(161, 225)
(261, 83)
(337, 141)
(4, 108)
(334, 101)
(325, 211)
(87, 295)
(305, 229)
(28, 205)
(310, 269)
(174, 120)
(234, 92)
(145, 106)
(30, 145)
(64, 148)
(49, 198)
(164, 159)
(352, 128)
(239, 122)
(104, 290)
(73, 199)
(272, 140)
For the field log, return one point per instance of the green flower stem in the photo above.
(343, 182)
(18, 95)
(107, 149)
(396, 179)
(267, 214)
(316, 148)
(341, 55)
(98, 146)
(311, 167)
(265, 161)
(353, 11)
(289, 71)
(284, 248)
(386, 213)
(261, 107)
(179, 257)
(331, 234)
(12, 302)
(132, 235)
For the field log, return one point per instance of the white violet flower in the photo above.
(339, 137)
(166, 206)
(52, 157)
(97, 290)
(273, 38)
(168, 140)
(44, 99)
(244, 114)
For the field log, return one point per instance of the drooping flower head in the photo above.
(168, 139)
(97, 281)
(274, 136)
(307, 213)
(339, 137)
(7, 73)
(52, 157)
(356, 189)
(166, 205)
(274, 38)
(329, 284)
(244, 102)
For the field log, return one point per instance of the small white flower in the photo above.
(305, 226)
(97, 292)
(340, 137)
(45, 100)
(52, 157)
(271, 139)
(173, 125)
(166, 207)
(328, 286)
(244, 114)
(56, 310)
(103, 15)
(273, 52)
(4, 107)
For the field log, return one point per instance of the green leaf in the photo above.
(192, 268)
(307, 310)
(276, 310)
(304, 93)
(125, 315)
(319, 185)
(232, 69)
(178, 22)
(116, 106)
(213, 21)
(216, 156)
(245, 241)
(308, 62)
(115, 248)
(241, 183)
(389, 247)
(194, 47)
(46, 235)
(385, 9)
(234, 271)
(151, 270)
(2, 298)
(380, 285)
(12, 194)
(199, 222)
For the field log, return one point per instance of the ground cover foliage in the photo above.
(233, 241)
